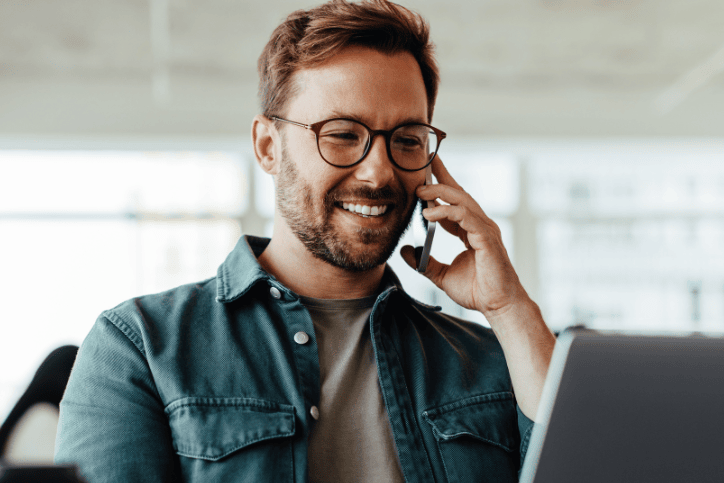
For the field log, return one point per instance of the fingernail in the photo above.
(418, 255)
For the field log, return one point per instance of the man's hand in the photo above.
(482, 277)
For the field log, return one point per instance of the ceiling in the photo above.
(509, 68)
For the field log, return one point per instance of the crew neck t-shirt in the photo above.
(351, 441)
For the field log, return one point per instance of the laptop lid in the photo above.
(630, 409)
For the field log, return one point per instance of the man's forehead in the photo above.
(353, 63)
(351, 114)
(355, 82)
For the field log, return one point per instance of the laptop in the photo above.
(630, 408)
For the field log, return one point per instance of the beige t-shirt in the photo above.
(352, 440)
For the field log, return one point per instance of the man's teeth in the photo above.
(364, 209)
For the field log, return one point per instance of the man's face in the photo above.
(382, 92)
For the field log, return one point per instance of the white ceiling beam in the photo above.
(697, 77)
(161, 48)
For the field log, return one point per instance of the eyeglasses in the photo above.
(345, 142)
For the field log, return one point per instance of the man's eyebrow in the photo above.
(347, 115)
(412, 120)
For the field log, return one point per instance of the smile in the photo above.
(365, 210)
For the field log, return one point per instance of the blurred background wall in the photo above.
(591, 130)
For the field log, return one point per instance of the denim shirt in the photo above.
(206, 383)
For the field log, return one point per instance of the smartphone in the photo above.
(429, 225)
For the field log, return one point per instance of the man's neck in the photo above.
(297, 269)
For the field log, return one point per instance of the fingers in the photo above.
(445, 192)
(458, 214)
(463, 215)
(408, 255)
(448, 194)
(466, 223)
(452, 227)
(450, 220)
(442, 174)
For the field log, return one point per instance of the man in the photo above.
(304, 359)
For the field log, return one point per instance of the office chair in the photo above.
(45, 390)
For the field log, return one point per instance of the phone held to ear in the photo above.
(422, 254)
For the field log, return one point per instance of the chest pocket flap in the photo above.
(490, 418)
(212, 428)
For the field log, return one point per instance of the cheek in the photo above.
(411, 182)
(317, 182)
(312, 169)
(303, 148)
(301, 158)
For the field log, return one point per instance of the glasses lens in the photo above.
(342, 142)
(413, 146)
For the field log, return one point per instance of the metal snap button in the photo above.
(301, 338)
(275, 293)
(314, 411)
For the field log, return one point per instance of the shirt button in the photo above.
(314, 412)
(275, 293)
(301, 338)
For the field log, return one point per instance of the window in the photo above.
(83, 231)
(631, 237)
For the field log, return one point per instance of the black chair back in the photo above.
(47, 386)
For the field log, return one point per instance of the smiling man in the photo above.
(304, 359)
(318, 174)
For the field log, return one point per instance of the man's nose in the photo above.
(377, 168)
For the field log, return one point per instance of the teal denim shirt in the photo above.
(206, 383)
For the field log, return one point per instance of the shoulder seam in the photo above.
(125, 328)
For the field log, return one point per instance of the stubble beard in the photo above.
(296, 203)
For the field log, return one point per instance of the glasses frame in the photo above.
(317, 127)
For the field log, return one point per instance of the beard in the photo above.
(310, 222)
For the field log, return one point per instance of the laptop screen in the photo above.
(630, 408)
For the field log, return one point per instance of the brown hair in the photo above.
(309, 37)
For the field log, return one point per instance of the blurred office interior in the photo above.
(592, 131)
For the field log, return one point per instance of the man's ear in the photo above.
(267, 144)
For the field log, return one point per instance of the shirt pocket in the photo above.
(478, 438)
(233, 439)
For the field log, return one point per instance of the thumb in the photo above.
(434, 268)
(407, 253)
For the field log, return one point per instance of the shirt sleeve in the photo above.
(112, 423)
(525, 427)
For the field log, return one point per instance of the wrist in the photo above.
(522, 313)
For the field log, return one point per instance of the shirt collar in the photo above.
(241, 270)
